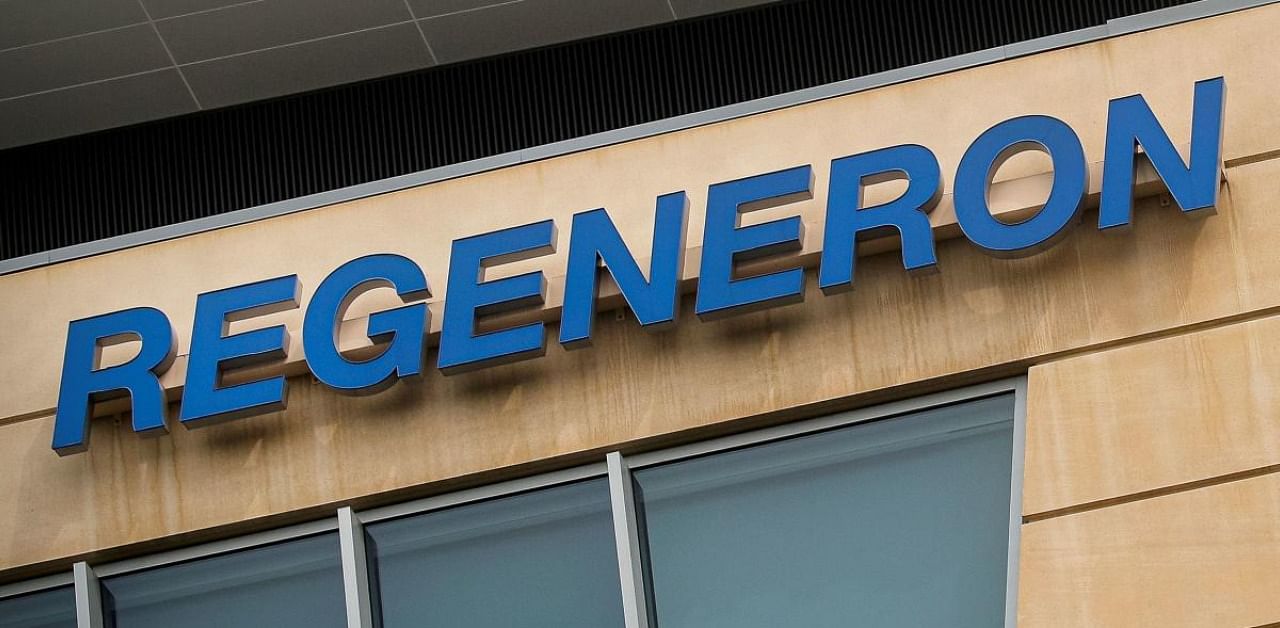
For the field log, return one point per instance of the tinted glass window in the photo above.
(52, 608)
(900, 522)
(296, 583)
(544, 558)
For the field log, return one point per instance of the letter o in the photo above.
(987, 153)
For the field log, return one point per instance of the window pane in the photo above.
(294, 583)
(901, 522)
(545, 558)
(53, 608)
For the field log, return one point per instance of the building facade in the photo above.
(1046, 424)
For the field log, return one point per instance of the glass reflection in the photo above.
(51, 608)
(295, 583)
(543, 558)
(900, 522)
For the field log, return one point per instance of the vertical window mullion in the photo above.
(355, 569)
(626, 529)
(88, 596)
(1015, 502)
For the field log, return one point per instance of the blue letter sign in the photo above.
(205, 400)
(1193, 186)
(83, 382)
(469, 296)
(725, 241)
(594, 242)
(984, 157)
(405, 327)
(908, 215)
(726, 285)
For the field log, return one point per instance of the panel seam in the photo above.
(169, 53)
(1163, 491)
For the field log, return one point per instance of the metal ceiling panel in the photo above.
(95, 186)
(100, 56)
(25, 22)
(512, 26)
(271, 23)
(301, 67)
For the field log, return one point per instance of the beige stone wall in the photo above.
(1151, 495)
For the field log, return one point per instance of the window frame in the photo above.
(40, 585)
(1017, 386)
(616, 467)
(35, 585)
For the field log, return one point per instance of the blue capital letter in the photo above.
(725, 241)
(404, 327)
(984, 157)
(847, 221)
(594, 242)
(83, 382)
(1194, 187)
(204, 400)
(469, 296)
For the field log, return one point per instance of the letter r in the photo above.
(84, 383)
